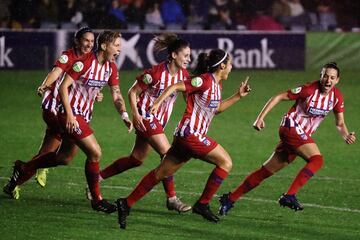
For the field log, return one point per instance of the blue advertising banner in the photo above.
(281, 51)
(26, 50)
(248, 50)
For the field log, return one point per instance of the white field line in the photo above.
(244, 198)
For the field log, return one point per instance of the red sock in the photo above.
(251, 181)
(313, 165)
(120, 165)
(214, 181)
(92, 177)
(169, 186)
(39, 161)
(143, 187)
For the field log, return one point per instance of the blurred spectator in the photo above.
(48, 13)
(263, 22)
(290, 13)
(326, 15)
(135, 13)
(4, 13)
(117, 14)
(70, 15)
(198, 11)
(23, 14)
(153, 16)
(221, 14)
(172, 13)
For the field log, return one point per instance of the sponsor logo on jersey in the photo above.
(317, 111)
(63, 59)
(214, 103)
(296, 90)
(95, 83)
(147, 79)
(78, 66)
(196, 82)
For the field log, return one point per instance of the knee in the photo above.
(226, 164)
(95, 155)
(317, 160)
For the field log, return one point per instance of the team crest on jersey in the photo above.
(63, 59)
(147, 79)
(78, 66)
(196, 82)
(153, 125)
(296, 90)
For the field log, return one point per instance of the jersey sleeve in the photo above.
(339, 103)
(76, 70)
(298, 92)
(65, 61)
(146, 79)
(114, 77)
(196, 84)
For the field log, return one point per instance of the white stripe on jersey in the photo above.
(309, 114)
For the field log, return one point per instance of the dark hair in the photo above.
(210, 62)
(80, 33)
(332, 65)
(171, 42)
(106, 37)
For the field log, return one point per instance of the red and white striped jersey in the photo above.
(51, 97)
(311, 107)
(203, 101)
(153, 82)
(89, 78)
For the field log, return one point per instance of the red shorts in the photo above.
(53, 127)
(152, 128)
(290, 140)
(191, 147)
(83, 131)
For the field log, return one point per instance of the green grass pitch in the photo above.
(61, 211)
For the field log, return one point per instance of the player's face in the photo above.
(86, 43)
(227, 69)
(182, 58)
(328, 79)
(113, 50)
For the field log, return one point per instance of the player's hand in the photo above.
(129, 124)
(138, 123)
(41, 90)
(259, 124)
(99, 97)
(244, 88)
(71, 123)
(154, 108)
(350, 138)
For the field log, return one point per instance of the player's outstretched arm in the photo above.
(49, 80)
(119, 104)
(259, 122)
(349, 138)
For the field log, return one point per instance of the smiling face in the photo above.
(181, 59)
(86, 43)
(328, 79)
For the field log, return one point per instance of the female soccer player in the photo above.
(49, 90)
(150, 126)
(203, 102)
(77, 92)
(312, 103)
